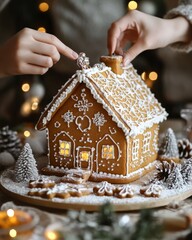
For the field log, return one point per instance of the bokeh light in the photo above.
(43, 7)
(41, 29)
(144, 76)
(153, 76)
(132, 5)
(27, 133)
(12, 233)
(25, 87)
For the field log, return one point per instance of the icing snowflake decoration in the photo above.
(83, 61)
(68, 117)
(83, 105)
(99, 120)
(120, 96)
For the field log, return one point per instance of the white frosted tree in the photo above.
(186, 171)
(175, 179)
(26, 167)
(170, 148)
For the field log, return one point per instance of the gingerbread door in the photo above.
(84, 157)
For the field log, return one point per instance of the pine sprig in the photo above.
(147, 227)
(106, 215)
(107, 226)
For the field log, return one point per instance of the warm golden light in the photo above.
(65, 148)
(153, 76)
(13, 233)
(10, 212)
(43, 7)
(26, 108)
(41, 29)
(27, 133)
(132, 5)
(25, 87)
(85, 155)
(108, 152)
(50, 235)
(62, 144)
(34, 106)
(144, 76)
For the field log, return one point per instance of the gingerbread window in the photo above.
(108, 152)
(85, 156)
(65, 148)
(135, 150)
(146, 142)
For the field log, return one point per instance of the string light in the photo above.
(41, 29)
(34, 104)
(25, 87)
(10, 212)
(43, 7)
(12, 233)
(132, 5)
(26, 108)
(149, 78)
(51, 235)
(27, 133)
(153, 76)
(144, 76)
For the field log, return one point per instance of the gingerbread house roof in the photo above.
(125, 97)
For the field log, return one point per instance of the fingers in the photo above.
(133, 51)
(115, 31)
(39, 60)
(32, 69)
(46, 50)
(51, 39)
(112, 38)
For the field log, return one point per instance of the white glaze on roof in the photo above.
(125, 97)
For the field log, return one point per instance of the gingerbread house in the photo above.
(104, 120)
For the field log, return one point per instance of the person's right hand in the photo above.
(31, 52)
(145, 32)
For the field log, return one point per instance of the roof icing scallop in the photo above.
(125, 97)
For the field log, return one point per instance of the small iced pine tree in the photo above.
(175, 179)
(26, 167)
(170, 148)
(186, 171)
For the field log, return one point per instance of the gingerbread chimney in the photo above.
(114, 62)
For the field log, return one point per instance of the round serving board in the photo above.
(92, 202)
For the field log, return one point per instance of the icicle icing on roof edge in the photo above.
(83, 76)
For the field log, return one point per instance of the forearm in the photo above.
(181, 30)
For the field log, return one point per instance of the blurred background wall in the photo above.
(83, 25)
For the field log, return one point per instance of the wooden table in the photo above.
(54, 216)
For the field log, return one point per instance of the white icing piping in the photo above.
(97, 149)
(85, 75)
(156, 117)
(63, 95)
(105, 106)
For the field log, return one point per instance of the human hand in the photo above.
(31, 52)
(145, 32)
